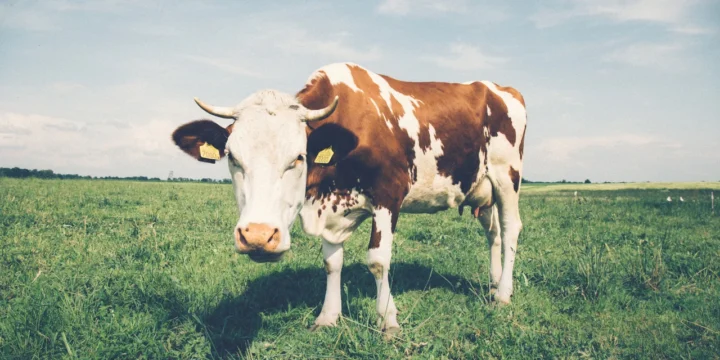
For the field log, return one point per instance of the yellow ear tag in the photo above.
(208, 151)
(324, 156)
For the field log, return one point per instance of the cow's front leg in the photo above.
(379, 256)
(333, 257)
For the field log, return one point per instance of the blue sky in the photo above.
(616, 90)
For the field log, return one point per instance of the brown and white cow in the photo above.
(388, 146)
(416, 147)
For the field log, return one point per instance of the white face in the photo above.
(266, 154)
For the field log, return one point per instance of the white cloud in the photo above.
(669, 11)
(563, 148)
(37, 133)
(661, 11)
(544, 96)
(94, 5)
(24, 19)
(64, 87)
(298, 41)
(55, 142)
(223, 64)
(466, 57)
(661, 56)
(154, 30)
(404, 7)
(42, 16)
(546, 18)
(693, 30)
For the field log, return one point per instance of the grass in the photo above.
(112, 269)
(547, 187)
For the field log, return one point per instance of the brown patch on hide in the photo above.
(499, 122)
(375, 237)
(522, 143)
(510, 90)
(371, 164)
(515, 177)
(376, 270)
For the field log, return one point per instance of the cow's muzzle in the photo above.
(260, 241)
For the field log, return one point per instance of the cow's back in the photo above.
(429, 145)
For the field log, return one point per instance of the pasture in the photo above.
(114, 269)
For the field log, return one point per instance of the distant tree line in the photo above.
(563, 181)
(49, 174)
(204, 180)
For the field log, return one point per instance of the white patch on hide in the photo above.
(383, 222)
(432, 191)
(387, 122)
(335, 226)
(516, 110)
(376, 107)
(340, 74)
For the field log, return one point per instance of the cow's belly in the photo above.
(432, 195)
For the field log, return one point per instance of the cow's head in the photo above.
(266, 150)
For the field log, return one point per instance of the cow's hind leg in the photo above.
(488, 217)
(379, 256)
(333, 257)
(507, 194)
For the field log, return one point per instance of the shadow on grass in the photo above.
(235, 322)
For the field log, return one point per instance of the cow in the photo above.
(390, 146)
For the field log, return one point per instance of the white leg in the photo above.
(489, 219)
(379, 256)
(510, 226)
(332, 306)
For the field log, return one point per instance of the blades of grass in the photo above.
(206, 332)
(370, 328)
(421, 297)
(67, 345)
(700, 326)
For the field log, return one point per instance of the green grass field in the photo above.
(112, 269)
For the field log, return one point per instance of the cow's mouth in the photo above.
(263, 257)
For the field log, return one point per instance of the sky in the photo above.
(616, 90)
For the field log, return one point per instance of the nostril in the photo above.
(274, 234)
(242, 237)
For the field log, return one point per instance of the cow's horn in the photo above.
(223, 112)
(316, 115)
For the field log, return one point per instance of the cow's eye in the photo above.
(298, 161)
(233, 160)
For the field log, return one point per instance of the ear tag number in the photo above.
(209, 152)
(324, 156)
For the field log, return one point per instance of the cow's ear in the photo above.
(330, 143)
(202, 139)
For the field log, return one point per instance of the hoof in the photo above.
(316, 327)
(501, 298)
(324, 321)
(391, 332)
